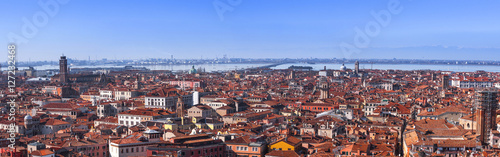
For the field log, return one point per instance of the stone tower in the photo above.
(324, 90)
(180, 107)
(356, 67)
(486, 106)
(292, 75)
(445, 82)
(63, 70)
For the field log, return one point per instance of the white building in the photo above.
(380, 84)
(112, 108)
(196, 98)
(325, 73)
(217, 104)
(471, 82)
(134, 117)
(166, 98)
(370, 106)
(106, 94)
(125, 94)
(129, 147)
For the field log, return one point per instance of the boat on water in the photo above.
(300, 68)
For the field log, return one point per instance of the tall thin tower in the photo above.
(324, 90)
(356, 67)
(180, 107)
(486, 106)
(292, 74)
(445, 81)
(63, 69)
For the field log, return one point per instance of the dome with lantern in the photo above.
(343, 68)
(27, 117)
(192, 71)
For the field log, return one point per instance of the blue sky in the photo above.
(193, 29)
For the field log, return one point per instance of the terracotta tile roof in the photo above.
(440, 111)
(82, 142)
(323, 154)
(361, 147)
(55, 122)
(126, 141)
(240, 140)
(225, 108)
(109, 119)
(203, 107)
(147, 112)
(282, 153)
(290, 140)
(42, 152)
(199, 141)
(166, 92)
(430, 124)
(456, 143)
(61, 106)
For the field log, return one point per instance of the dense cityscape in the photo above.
(250, 78)
(258, 112)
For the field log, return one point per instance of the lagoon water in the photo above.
(442, 67)
(317, 66)
(206, 67)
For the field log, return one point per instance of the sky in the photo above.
(194, 29)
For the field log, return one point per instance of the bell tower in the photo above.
(63, 69)
(324, 90)
(180, 107)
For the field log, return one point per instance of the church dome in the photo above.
(27, 117)
(192, 71)
(343, 67)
